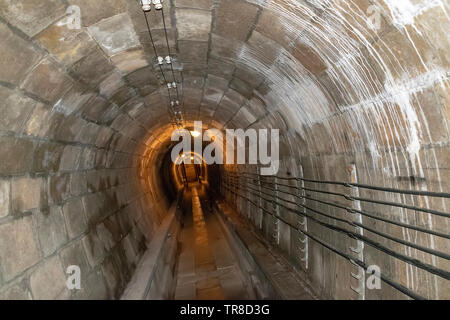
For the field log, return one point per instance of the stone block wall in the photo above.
(71, 189)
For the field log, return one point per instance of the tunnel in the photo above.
(93, 205)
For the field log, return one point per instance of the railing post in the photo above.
(276, 233)
(246, 200)
(360, 277)
(260, 211)
(303, 221)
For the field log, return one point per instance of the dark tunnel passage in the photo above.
(356, 203)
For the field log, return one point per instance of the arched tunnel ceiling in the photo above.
(85, 124)
(315, 69)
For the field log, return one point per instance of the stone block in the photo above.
(69, 128)
(275, 26)
(249, 75)
(111, 84)
(16, 56)
(111, 271)
(87, 161)
(243, 87)
(70, 158)
(74, 255)
(159, 39)
(115, 34)
(94, 11)
(50, 228)
(49, 280)
(14, 109)
(75, 218)
(42, 122)
(47, 157)
(142, 77)
(16, 292)
(94, 249)
(4, 198)
(76, 97)
(430, 114)
(129, 61)
(193, 51)
(88, 133)
(58, 188)
(65, 44)
(226, 49)
(78, 184)
(47, 81)
(31, 16)
(93, 287)
(105, 236)
(245, 117)
(408, 53)
(123, 95)
(93, 68)
(193, 25)
(262, 49)
(17, 155)
(256, 107)
(104, 137)
(18, 249)
(130, 250)
(234, 19)
(308, 57)
(195, 4)
(27, 194)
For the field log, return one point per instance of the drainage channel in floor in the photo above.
(207, 267)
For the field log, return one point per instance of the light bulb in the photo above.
(160, 60)
(146, 5)
(157, 4)
(169, 85)
(168, 60)
(174, 84)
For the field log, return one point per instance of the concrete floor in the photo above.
(207, 268)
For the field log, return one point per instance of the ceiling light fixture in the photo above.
(146, 5)
(157, 4)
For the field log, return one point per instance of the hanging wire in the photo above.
(168, 50)
(155, 51)
(161, 69)
(170, 55)
(176, 114)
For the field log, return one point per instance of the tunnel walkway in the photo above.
(207, 267)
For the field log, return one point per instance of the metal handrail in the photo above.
(353, 211)
(364, 186)
(356, 224)
(386, 203)
(358, 262)
(278, 194)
